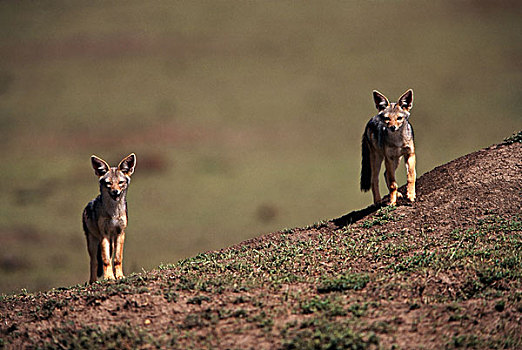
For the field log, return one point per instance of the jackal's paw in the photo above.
(119, 276)
(391, 200)
(411, 197)
(109, 277)
(399, 195)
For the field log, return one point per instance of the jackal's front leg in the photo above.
(118, 255)
(106, 258)
(410, 170)
(391, 167)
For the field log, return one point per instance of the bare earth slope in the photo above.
(444, 272)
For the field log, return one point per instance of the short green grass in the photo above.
(327, 334)
(491, 249)
(119, 337)
(516, 137)
(332, 307)
(383, 216)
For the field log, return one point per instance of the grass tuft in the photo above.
(516, 137)
(320, 334)
(352, 281)
(382, 217)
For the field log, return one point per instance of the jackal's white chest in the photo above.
(113, 225)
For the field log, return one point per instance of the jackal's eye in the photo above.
(399, 118)
(121, 183)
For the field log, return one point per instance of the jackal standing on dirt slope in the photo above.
(388, 136)
(105, 218)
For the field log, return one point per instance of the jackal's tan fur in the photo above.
(105, 218)
(388, 136)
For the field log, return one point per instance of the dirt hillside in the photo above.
(444, 272)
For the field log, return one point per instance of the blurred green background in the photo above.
(246, 117)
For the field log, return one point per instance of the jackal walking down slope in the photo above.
(388, 136)
(105, 218)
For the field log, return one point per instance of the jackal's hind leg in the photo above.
(92, 247)
(375, 162)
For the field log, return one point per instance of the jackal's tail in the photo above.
(366, 169)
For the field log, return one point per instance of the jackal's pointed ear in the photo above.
(127, 165)
(381, 102)
(99, 165)
(406, 100)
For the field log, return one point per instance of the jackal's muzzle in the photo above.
(115, 194)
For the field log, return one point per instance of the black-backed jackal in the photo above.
(388, 136)
(105, 218)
